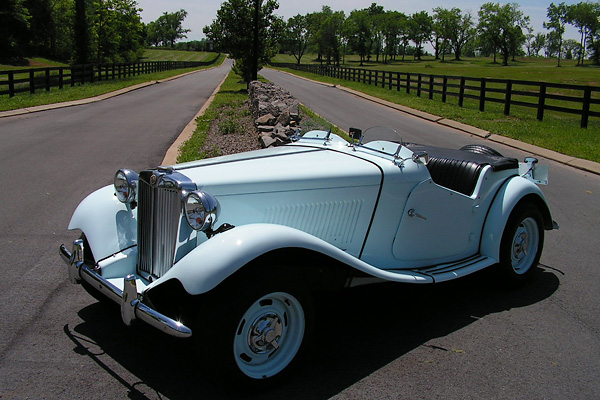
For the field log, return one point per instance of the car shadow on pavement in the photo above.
(357, 332)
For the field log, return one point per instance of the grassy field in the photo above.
(558, 131)
(176, 55)
(78, 92)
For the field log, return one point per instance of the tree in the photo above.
(420, 27)
(116, 31)
(231, 32)
(393, 26)
(585, 16)
(501, 28)
(298, 35)
(13, 29)
(538, 43)
(456, 28)
(376, 16)
(167, 29)
(558, 19)
(359, 31)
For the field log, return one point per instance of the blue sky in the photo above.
(203, 12)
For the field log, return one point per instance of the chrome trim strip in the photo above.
(131, 307)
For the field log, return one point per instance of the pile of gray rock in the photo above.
(276, 113)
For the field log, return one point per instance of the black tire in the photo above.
(254, 331)
(522, 244)
(481, 149)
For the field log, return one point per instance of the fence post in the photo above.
(408, 83)
(482, 96)
(398, 81)
(430, 87)
(370, 77)
(383, 79)
(60, 77)
(461, 92)
(541, 102)
(31, 82)
(376, 77)
(11, 84)
(419, 82)
(585, 112)
(508, 97)
(444, 88)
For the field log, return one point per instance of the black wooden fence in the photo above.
(542, 96)
(35, 79)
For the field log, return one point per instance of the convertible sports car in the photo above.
(228, 250)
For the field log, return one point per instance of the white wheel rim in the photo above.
(525, 244)
(269, 335)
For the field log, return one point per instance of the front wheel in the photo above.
(522, 243)
(254, 332)
(269, 335)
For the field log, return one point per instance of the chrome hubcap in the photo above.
(525, 244)
(265, 333)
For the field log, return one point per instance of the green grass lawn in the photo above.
(176, 55)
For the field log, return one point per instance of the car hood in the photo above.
(286, 168)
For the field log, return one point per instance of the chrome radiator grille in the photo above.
(159, 212)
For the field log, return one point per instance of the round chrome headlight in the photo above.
(125, 185)
(200, 210)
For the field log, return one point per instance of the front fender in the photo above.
(511, 193)
(214, 260)
(109, 225)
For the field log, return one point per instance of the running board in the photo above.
(447, 272)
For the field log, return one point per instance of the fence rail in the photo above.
(564, 98)
(38, 79)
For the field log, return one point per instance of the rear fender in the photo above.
(514, 191)
(213, 261)
(109, 225)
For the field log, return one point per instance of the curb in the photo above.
(585, 165)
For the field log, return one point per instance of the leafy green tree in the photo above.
(558, 16)
(232, 32)
(538, 43)
(501, 28)
(359, 31)
(457, 28)
(117, 31)
(167, 29)
(13, 29)
(585, 16)
(298, 35)
(376, 16)
(420, 27)
(394, 26)
(328, 28)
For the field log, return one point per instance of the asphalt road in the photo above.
(467, 339)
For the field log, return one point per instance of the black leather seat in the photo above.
(459, 170)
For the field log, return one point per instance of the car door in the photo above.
(438, 225)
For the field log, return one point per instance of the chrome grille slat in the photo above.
(159, 213)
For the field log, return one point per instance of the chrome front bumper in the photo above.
(131, 307)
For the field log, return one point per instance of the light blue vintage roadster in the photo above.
(228, 250)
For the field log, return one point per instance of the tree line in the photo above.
(82, 31)
(380, 35)
(498, 29)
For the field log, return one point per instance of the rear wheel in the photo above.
(522, 243)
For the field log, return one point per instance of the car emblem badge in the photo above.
(153, 179)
